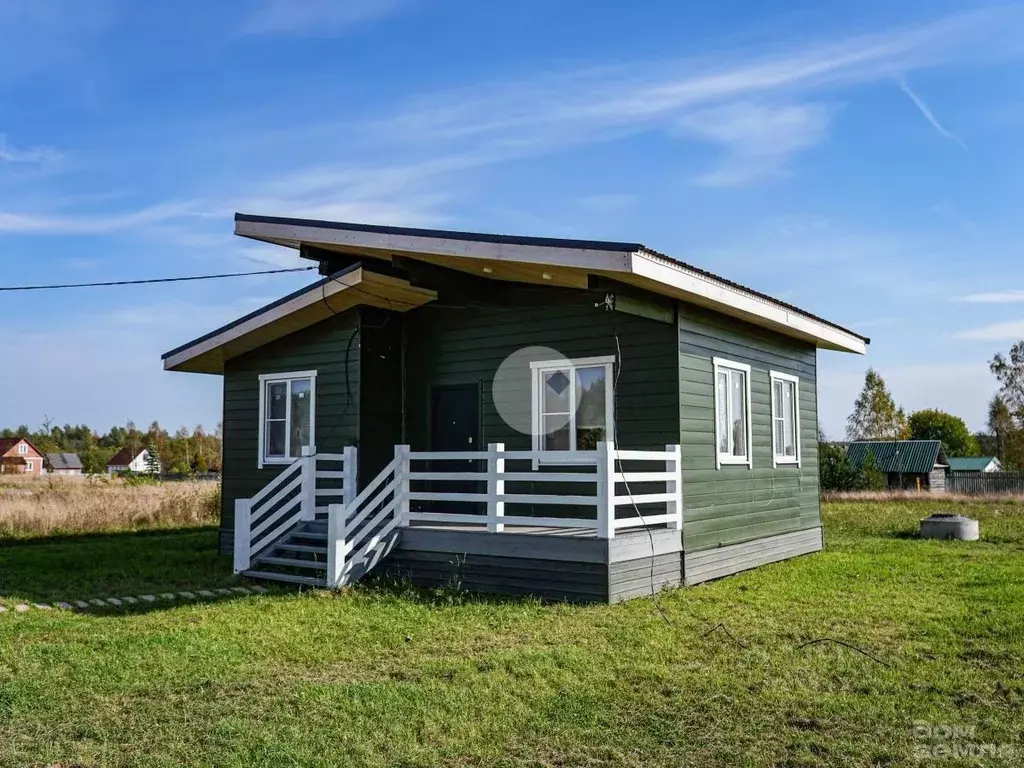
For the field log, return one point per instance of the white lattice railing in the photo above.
(613, 490)
(289, 498)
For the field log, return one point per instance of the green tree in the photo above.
(875, 414)
(1009, 371)
(152, 460)
(837, 473)
(933, 424)
(1000, 425)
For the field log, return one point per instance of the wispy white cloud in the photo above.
(1012, 330)
(758, 139)
(603, 101)
(315, 17)
(760, 108)
(995, 297)
(928, 114)
(28, 223)
(31, 155)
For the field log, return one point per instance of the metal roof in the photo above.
(893, 456)
(549, 242)
(970, 463)
(64, 460)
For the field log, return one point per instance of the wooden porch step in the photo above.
(312, 581)
(294, 563)
(312, 548)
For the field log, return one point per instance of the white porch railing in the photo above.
(606, 488)
(613, 489)
(289, 498)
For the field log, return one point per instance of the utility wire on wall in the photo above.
(151, 280)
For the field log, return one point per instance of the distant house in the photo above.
(975, 464)
(908, 464)
(127, 460)
(63, 464)
(19, 457)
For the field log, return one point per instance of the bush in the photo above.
(837, 473)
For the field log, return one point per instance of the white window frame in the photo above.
(22, 449)
(266, 379)
(777, 458)
(30, 465)
(719, 365)
(537, 370)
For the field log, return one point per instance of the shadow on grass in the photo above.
(86, 566)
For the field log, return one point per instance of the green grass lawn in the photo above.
(383, 676)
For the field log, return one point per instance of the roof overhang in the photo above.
(556, 262)
(325, 298)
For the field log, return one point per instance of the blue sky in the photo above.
(861, 160)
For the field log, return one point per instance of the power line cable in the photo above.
(150, 281)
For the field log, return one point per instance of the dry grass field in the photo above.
(47, 506)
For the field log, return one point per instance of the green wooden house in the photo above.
(575, 419)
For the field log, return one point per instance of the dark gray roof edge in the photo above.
(551, 242)
(260, 311)
(447, 234)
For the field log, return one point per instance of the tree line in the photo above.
(184, 452)
(876, 416)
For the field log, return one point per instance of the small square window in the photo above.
(732, 412)
(785, 418)
(572, 404)
(287, 416)
(22, 448)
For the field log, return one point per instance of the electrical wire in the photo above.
(150, 281)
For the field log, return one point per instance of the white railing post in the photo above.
(308, 489)
(402, 484)
(336, 531)
(674, 464)
(350, 484)
(243, 534)
(606, 490)
(495, 487)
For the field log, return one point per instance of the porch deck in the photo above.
(433, 526)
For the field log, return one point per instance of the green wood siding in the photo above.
(324, 348)
(380, 390)
(461, 346)
(736, 503)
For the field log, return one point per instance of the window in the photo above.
(287, 416)
(30, 465)
(572, 404)
(732, 413)
(22, 448)
(785, 418)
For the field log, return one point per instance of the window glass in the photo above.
(287, 418)
(557, 391)
(788, 418)
(738, 412)
(591, 413)
(573, 406)
(301, 405)
(277, 400)
(556, 434)
(722, 403)
(732, 413)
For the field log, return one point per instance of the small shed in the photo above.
(908, 464)
(975, 464)
(63, 464)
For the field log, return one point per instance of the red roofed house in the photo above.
(19, 457)
(129, 460)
